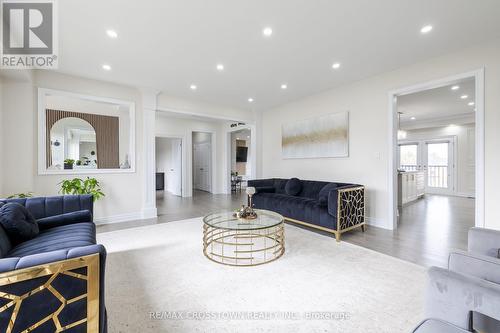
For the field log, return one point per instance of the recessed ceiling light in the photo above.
(267, 31)
(220, 67)
(455, 87)
(426, 29)
(471, 104)
(250, 100)
(111, 33)
(193, 87)
(248, 136)
(336, 65)
(464, 96)
(106, 67)
(284, 86)
(413, 118)
(237, 138)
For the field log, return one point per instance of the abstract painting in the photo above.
(324, 136)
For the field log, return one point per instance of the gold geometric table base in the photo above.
(243, 247)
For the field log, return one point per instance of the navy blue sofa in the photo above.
(55, 280)
(328, 206)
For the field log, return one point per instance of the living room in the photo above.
(285, 120)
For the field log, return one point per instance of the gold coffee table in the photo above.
(234, 241)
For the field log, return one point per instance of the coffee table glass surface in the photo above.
(227, 220)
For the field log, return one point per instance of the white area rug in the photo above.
(319, 285)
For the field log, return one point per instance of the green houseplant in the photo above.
(68, 163)
(21, 195)
(82, 186)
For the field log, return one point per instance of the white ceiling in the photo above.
(438, 104)
(169, 45)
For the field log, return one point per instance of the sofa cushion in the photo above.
(293, 186)
(18, 223)
(58, 238)
(63, 219)
(323, 194)
(5, 244)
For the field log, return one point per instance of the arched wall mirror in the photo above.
(85, 134)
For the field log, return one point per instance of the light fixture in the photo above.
(237, 138)
(250, 100)
(193, 87)
(470, 104)
(413, 118)
(455, 87)
(267, 32)
(220, 67)
(284, 86)
(248, 136)
(336, 65)
(426, 29)
(106, 67)
(111, 33)
(464, 96)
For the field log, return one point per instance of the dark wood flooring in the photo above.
(428, 228)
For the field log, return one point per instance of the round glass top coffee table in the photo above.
(234, 241)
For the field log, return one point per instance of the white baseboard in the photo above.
(144, 214)
(376, 222)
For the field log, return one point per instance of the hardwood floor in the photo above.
(428, 228)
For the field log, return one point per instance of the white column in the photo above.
(149, 106)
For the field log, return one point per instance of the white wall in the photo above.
(367, 103)
(19, 132)
(1, 137)
(167, 126)
(465, 141)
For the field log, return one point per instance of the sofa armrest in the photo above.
(347, 204)
(66, 284)
(65, 219)
(452, 297)
(484, 241)
(481, 266)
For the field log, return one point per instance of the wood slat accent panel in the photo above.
(106, 130)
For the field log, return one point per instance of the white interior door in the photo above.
(202, 153)
(174, 174)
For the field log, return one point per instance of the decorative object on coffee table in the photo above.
(234, 241)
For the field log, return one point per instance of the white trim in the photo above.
(376, 222)
(204, 115)
(42, 132)
(392, 119)
(125, 217)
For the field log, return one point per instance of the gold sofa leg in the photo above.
(363, 228)
(337, 236)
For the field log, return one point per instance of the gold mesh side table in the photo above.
(233, 241)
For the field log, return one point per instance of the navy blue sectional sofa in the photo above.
(56, 279)
(328, 206)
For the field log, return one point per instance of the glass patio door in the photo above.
(439, 166)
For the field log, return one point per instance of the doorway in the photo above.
(169, 165)
(438, 163)
(202, 161)
(457, 111)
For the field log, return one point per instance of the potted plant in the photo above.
(68, 163)
(21, 195)
(78, 163)
(77, 186)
